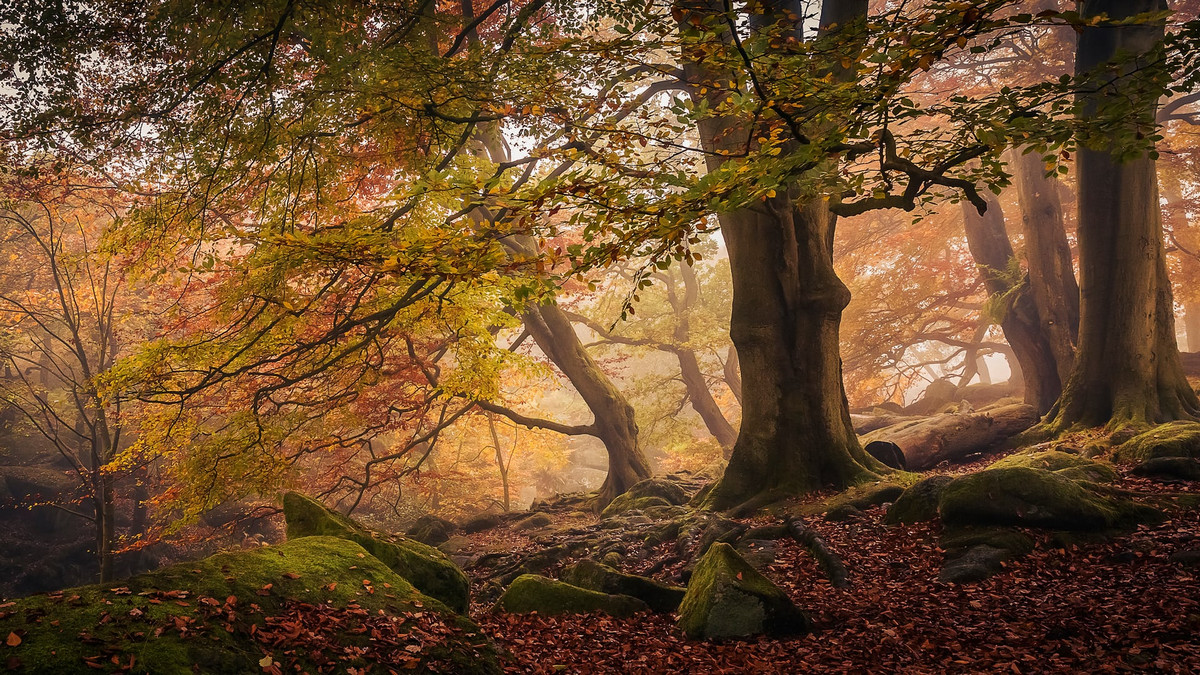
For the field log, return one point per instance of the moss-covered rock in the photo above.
(918, 503)
(1176, 439)
(425, 567)
(199, 616)
(1061, 463)
(481, 522)
(974, 564)
(533, 522)
(595, 576)
(533, 593)
(957, 540)
(726, 597)
(1035, 498)
(626, 503)
(432, 530)
(1178, 468)
(843, 512)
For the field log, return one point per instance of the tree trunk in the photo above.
(993, 253)
(1051, 270)
(1128, 371)
(928, 441)
(689, 365)
(733, 373)
(614, 418)
(1191, 325)
(796, 435)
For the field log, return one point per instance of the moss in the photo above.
(432, 530)
(532, 522)
(533, 593)
(662, 488)
(727, 597)
(423, 566)
(123, 618)
(1061, 463)
(597, 577)
(1176, 439)
(918, 503)
(627, 502)
(1170, 468)
(1035, 498)
(959, 539)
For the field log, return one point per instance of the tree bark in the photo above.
(1191, 325)
(1128, 371)
(928, 441)
(796, 435)
(1051, 269)
(993, 253)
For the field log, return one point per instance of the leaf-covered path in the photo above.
(1108, 607)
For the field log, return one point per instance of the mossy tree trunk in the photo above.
(796, 435)
(1128, 370)
(988, 241)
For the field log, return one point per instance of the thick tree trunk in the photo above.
(614, 418)
(796, 435)
(1128, 370)
(993, 253)
(1051, 270)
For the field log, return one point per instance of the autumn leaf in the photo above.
(13, 640)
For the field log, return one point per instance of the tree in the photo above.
(1128, 370)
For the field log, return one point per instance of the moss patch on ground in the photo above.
(1176, 439)
(425, 567)
(203, 616)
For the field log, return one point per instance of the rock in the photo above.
(425, 567)
(598, 577)
(1189, 557)
(533, 593)
(1182, 468)
(958, 540)
(310, 570)
(844, 512)
(648, 493)
(887, 452)
(1035, 498)
(432, 530)
(1176, 439)
(726, 597)
(533, 522)
(625, 503)
(874, 496)
(612, 559)
(760, 553)
(918, 503)
(484, 521)
(1061, 463)
(975, 564)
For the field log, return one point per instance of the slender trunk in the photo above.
(689, 365)
(1128, 370)
(1051, 270)
(614, 418)
(796, 435)
(733, 373)
(985, 374)
(1018, 316)
(500, 463)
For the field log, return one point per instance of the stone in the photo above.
(425, 567)
(1035, 498)
(1065, 464)
(918, 503)
(726, 598)
(432, 530)
(1174, 439)
(1179, 468)
(975, 564)
(533, 522)
(481, 522)
(533, 593)
(596, 576)
(844, 512)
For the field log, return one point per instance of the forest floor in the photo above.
(1112, 606)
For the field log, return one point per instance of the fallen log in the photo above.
(929, 441)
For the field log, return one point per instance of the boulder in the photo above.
(1175, 439)
(1178, 468)
(198, 616)
(1035, 498)
(533, 593)
(974, 564)
(625, 504)
(844, 512)
(726, 597)
(645, 494)
(1065, 464)
(599, 577)
(432, 530)
(425, 567)
(887, 452)
(533, 522)
(481, 522)
(918, 503)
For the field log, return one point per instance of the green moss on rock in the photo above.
(218, 601)
(626, 503)
(534, 593)
(955, 540)
(425, 567)
(1035, 498)
(595, 576)
(1176, 439)
(918, 503)
(726, 597)
(1061, 463)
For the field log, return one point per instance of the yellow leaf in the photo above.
(13, 640)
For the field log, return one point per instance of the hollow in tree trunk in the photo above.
(1128, 371)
